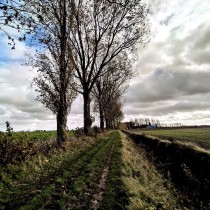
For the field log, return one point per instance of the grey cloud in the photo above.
(2, 111)
(77, 106)
(167, 19)
(190, 106)
(200, 56)
(193, 49)
(197, 45)
(202, 35)
(75, 120)
(162, 85)
(169, 107)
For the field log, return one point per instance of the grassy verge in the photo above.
(147, 188)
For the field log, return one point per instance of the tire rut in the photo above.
(78, 171)
(98, 196)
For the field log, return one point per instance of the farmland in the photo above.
(197, 136)
(36, 135)
(185, 164)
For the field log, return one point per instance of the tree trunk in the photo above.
(107, 123)
(61, 126)
(62, 110)
(101, 116)
(87, 117)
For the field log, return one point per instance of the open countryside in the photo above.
(108, 170)
(104, 105)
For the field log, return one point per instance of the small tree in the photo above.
(9, 129)
(113, 113)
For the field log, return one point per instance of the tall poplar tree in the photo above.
(101, 31)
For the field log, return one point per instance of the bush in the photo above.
(96, 130)
(78, 132)
(10, 152)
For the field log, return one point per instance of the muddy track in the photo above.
(98, 196)
(78, 200)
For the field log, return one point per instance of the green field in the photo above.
(198, 136)
(28, 136)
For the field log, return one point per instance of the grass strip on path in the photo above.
(115, 196)
(98, 196)
(77, 190)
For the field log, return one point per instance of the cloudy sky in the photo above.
(173, 73)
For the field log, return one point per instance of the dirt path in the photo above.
(98, 196)
(49, 186)
(89, 179)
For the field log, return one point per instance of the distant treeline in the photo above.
(145, 122)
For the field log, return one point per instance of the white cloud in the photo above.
(174, 68)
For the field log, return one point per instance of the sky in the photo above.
(172, 83)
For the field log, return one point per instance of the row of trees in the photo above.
(85, 47)
(144, 122)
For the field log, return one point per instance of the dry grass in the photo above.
(146, 186)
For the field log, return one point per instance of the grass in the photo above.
(147, 187)
(198, 136)
(20, 182)
(115, 196)
(29, 136)
(65, 179)
(69, 177)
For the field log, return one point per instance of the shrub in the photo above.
(78, 132)
(10, 152)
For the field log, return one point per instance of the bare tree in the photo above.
(102, 31)
(112, 84)
(54, 62)
(113, 113)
